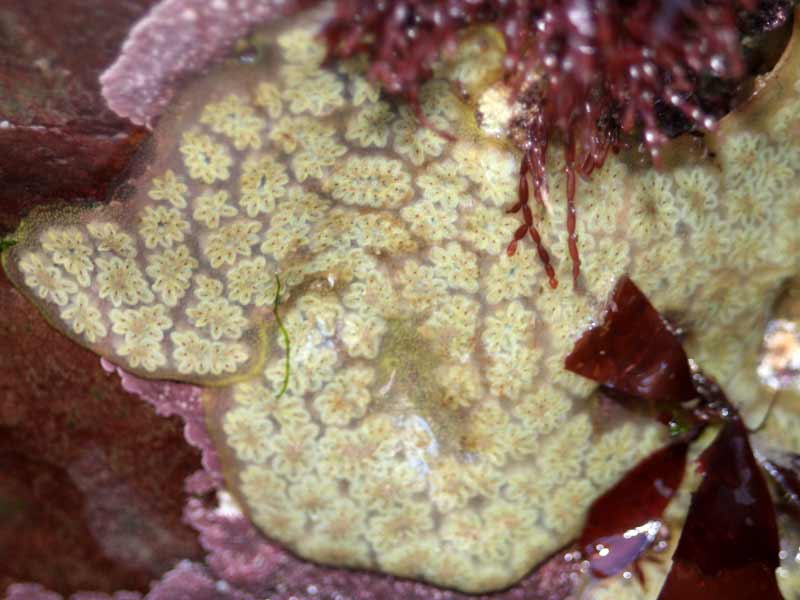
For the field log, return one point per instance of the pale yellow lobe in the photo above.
(147, 323)
(319, 94)
(110, 238)
(207, 288)
(231, 241)
(315, 158)
(162, 227)
(170, 272)
(401, 405)
(416, 144)
(236, 119)
(375, 181)
(205, 159)
(46, 280)
(169, 187)
(219, 317)
(263, 181)
(142, 353)
(252, 281)
(268, 97)
(343, 400)
(69, 249)
(84, 318)
(121, 282)
(371, 125)
(212, 208)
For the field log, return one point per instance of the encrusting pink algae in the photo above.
(428, 428)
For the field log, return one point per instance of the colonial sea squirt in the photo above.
(429, 429)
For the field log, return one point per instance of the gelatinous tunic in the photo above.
(428, 428)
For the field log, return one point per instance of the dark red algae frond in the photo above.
(634, 351)
(587, 71)
(729, 545)
(623, 523)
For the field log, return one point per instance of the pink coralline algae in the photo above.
(33, 591)
(178, 37)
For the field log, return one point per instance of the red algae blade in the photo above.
(622, 519)
(634, 351)
(729, 546)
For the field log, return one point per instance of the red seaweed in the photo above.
(587, 70)
(624, 521)
(528, 226)
(634, 351)
(729, 545)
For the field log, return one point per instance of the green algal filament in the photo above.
(6, 242)
(285, 334)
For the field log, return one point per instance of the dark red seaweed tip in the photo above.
(751, 582)
(634, 351)
(624, 521)
(729, 545)
(544, 256)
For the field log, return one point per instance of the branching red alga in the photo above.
(586, 72)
